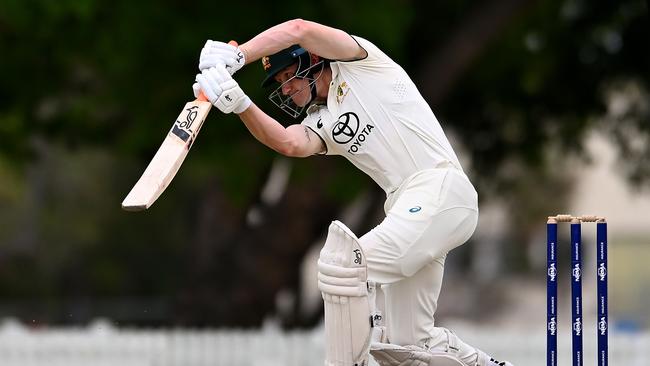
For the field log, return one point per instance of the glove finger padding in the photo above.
(216, 53)
(211, 90)
(196, 89)
(222, 90)
(222, 75)
(217, 45)
(219, 52)
(210, 61)
(211, 80)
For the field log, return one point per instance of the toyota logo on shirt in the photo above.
(346, 128)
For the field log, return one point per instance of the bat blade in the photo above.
(169, 157)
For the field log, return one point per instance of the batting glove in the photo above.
(221, 90)
(216, 53)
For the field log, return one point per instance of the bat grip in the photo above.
(202, 97)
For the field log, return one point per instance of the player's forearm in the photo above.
(327, 42)
(267, 130)
(273, 40)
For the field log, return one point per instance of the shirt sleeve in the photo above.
(375, 66)
(374, 56)
(315, 122)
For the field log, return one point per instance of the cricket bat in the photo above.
(171, 154)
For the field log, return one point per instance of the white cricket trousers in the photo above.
(432, 212)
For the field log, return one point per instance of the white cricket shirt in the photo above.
(376, 118)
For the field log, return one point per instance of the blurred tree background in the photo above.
(89, 88)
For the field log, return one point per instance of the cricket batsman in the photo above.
(381, 289)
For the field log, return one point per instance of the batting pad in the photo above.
(394, 355)
(342, 278)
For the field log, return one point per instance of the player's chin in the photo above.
(302, 99)
(301, 102)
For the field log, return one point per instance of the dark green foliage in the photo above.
(89, 88)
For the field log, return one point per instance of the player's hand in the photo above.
(221, 90)
(216, 53)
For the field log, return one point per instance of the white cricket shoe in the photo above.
(485, 360)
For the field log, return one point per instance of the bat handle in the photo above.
(202, 97)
